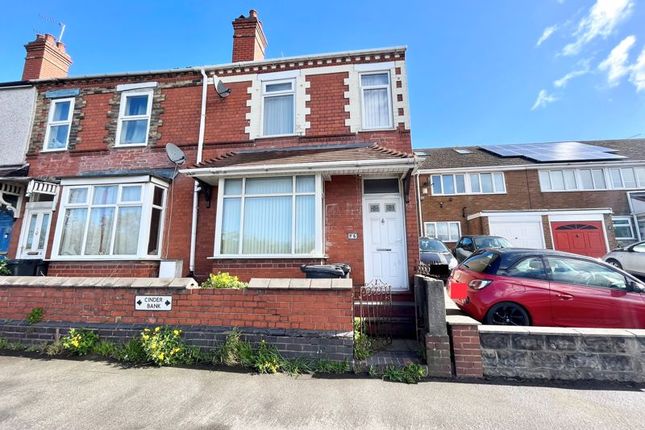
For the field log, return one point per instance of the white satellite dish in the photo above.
(175, 154)
(220, 88)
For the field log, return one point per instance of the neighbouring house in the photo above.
(581, 197)
(288, 161)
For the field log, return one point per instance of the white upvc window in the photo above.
(59, 123)
(376, 100)
(589, 179)
(110, 219)
(278, 107)
(468, 183)
(623, 228)
(134, 118)
(446, 231)
(277, 216)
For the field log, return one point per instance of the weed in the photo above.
(410, 374)
(35, 316)
(223, 280)
(4, 270)
(54, 348)
(132, 352)
(267, 359)
(297, 366)
(363, 347)
(106, 349)
(235, 351)
(329, 366)
(164, 346)
(80, 341)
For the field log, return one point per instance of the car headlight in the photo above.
(452, 263)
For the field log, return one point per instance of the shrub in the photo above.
(55, 348)
(223, 280)
(106, 349)
(132, 352)
(164, 346)
(35, 316)
(410, 374)
(235, 351)
(362, 343)
(267, 359)
(80, 341)
(4, 270)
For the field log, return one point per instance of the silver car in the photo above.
(631, 258)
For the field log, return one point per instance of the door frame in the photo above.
(24, 228)
(366, 198)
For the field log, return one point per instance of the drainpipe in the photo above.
(196, 188)
(420, 212)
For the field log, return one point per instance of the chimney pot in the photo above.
(46, 58)
(249, 41)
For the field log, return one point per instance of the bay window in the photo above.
(376, 100)
(134, 118)
(59, 123)
(276, 216)
(110, 220)
(278, 107)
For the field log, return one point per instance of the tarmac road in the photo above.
(57, 394)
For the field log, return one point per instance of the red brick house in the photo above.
(288, 161)
(582, 197)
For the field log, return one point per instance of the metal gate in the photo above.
(374, 312)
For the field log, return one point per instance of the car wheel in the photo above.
(507, 313)
(615, 263)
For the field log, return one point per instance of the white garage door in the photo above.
(522, 232)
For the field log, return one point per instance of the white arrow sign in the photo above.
(153, 303)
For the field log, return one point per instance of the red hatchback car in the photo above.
(546, 288)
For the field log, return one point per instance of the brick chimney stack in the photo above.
(249, 41)
(46, 58)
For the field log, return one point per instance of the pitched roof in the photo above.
(448, 158)
(327, 153)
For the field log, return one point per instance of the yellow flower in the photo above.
(176, 332)
(145, 337)
(161, 356)
(157, 329)
(146, 330)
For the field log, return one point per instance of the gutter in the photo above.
(196, 188)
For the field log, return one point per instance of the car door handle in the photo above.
(563, 296)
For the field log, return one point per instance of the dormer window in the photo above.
(58, 124)
(134, 118)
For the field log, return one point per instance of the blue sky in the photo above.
(477, 74)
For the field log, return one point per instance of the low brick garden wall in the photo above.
(311, 318)
(563, 353)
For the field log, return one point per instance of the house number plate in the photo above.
(352, 236)
(153, 303)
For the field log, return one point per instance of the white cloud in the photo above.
(616, 64)
(543, 99)
(602, 19)
(581, 71)
(548, 32)
(637, 74)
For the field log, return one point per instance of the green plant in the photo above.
(35, 316)
(235, 351)
(410, 374)
(80, 341)
(106, 349)
(363, 347)
(333, 367)
(267, 359)
(223, 280)
(4, 270)
(297, 366)
(54, 348)
(132, 352)
(164, 346)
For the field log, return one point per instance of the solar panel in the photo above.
(555, 151)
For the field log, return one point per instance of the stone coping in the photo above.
(83, 282)
(568, 331)
(461, 320)
(300, 284)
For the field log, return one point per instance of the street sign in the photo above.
(153, 303)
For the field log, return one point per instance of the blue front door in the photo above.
(6, 224)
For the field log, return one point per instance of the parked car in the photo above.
(630, 258)
(434, 252)
(467, 245)
(546, 288)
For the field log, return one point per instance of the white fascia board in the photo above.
(493, 214)
(94, 180)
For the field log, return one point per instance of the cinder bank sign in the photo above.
(153, 303)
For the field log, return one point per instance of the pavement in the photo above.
(57, 394)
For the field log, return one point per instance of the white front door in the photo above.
(384, 241)
(35, 233)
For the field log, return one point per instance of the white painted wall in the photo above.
(16, 117)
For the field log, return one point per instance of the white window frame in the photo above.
(266, 95)
(123, 118)
(51, 123)
(630, 224)
(435, 223)
(606, 171)
(318, 196)
(388, 86)
(147, 184)
(468, 190)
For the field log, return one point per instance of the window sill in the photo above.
(366, 130)
(273, 136)
(267, 257)
(81, 259)
(131, 145)
(468, 194)
(53, 150)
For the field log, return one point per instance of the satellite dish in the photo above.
(175, 154)
(220, 88)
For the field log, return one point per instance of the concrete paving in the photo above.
(57, 394)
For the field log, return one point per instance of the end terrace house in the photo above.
(287, 161)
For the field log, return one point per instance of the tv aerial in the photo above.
(220, 88)
(175, 154)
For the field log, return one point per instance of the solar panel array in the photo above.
(555, 151)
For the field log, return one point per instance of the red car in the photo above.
(546, 288)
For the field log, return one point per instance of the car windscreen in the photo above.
(491, 242)
(432, 245)
(481, 262)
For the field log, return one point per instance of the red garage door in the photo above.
(580, 237)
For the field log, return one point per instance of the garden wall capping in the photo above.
(301, 283)
(85, 282)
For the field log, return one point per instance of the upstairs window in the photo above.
(468, 183)
(376, 100)
(58, 124)
(278, 108)
(134, 118)
(592, 179)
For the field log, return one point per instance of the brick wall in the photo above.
(466, 351)
(327, 104)
(108, 269)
